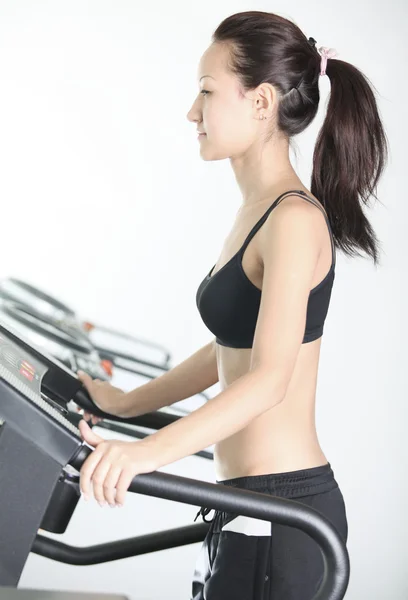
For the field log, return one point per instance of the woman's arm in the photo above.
(194, 375)
(222, 416)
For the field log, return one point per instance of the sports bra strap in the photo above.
(262, 220)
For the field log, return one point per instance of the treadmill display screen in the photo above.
(26, 368)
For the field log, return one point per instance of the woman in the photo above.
(265, 301)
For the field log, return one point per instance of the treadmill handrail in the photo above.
(256, 505)
(153, 420)
(119, 549)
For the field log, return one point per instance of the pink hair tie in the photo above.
(325, 54)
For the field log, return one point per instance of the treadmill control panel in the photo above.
(26, 368)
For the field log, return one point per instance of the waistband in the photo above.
(290, 484)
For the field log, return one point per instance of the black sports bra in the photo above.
(228, 301)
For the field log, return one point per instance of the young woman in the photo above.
(265, 301)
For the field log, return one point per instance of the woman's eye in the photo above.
(204, 92)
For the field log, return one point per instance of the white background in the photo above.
(106, 203)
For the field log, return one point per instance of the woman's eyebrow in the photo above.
(206, 76)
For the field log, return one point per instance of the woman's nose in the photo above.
(194, 114)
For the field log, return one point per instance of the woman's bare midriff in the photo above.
(284, 438)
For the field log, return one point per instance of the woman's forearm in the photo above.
(220, 417)
(194, 375)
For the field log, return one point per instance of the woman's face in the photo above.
(220, 111)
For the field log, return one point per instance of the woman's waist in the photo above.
(244, 454)
(288, 484)
(293, 484)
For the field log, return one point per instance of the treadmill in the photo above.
(80, 344)
(53, 326)
(41, 454)
(103, 339)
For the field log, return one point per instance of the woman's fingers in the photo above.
(88, 435)
(122, 486)
(87, 471)
(90, 417)
(89, 385)
(98, 481)
(87, 415)
(110, 483)
(86, 380)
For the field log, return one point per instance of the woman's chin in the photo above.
(208, 154)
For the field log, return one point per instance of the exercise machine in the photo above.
(95, 349)
(51, 310)
(73, 350)
(41, 454)
(75, 353)
(53, 326)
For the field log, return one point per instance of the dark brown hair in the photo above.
(351, 148)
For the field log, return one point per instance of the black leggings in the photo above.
(249, 559)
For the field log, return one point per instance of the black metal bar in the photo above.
(102, 553)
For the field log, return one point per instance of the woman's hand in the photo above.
(106, 396)
(111, 466)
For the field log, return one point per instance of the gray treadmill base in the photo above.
(8, 593)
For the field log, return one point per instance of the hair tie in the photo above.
(325, 54)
